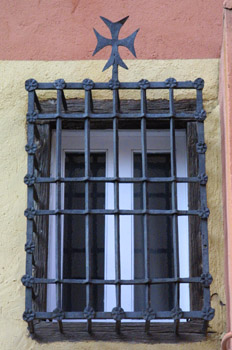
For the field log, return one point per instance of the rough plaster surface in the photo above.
(13, 163)
(62, 30)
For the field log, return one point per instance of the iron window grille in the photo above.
(37, 218)
(62, 116)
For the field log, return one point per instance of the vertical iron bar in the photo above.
(58, 205)
(30, 204)
(87, 216)
(174, 205)
(116, 203)
(145, 203)
(203, 200)
(115, 72)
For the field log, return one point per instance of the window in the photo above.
(101, 233)
(116, 225)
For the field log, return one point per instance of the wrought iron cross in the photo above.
(115, 59)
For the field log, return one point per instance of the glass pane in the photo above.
(159, 232)
(74, 296)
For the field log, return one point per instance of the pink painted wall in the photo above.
(225, 98)
(62, 29)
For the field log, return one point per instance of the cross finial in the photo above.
(115, 59)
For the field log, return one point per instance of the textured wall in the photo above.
(13, 107)
(59, 30)
(226, 126)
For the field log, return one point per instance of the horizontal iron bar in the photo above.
(106, 86)
(114, 282)
(131, 116)
(120, 179)
(119, 212)
(127, 315)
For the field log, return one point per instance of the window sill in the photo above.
(130, 332)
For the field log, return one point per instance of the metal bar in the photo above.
(30, 204)
(58, 206)
(115, 72)
(116, 203)
(123, 116)
(87, 217)
(118, 212)
(119, 179)
(126, 85)
(127, 315)
(145, 204)
(122, 282)
(174, 207)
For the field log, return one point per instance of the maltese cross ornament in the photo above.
(115, 59)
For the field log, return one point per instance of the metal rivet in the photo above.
(203, 178)
(143, 84)
(198, 84)
(206, 279)
(31, 85)
(208, 313)
(30, 247)
(89, 312)
(170, 82)
(201, 116)
(59, 84)
(204, 213)
(88, 84)
(114, 84)
(28, 315)
(31, 149)
(149, 314)
(30, 213)
(58, 314)
(31, 117)
(118, 313)
(201, 147)
(28, 281)
(176, 313)
(29, 180)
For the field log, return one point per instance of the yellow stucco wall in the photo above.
(13, 163)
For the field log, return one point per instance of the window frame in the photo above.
(158, 142)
